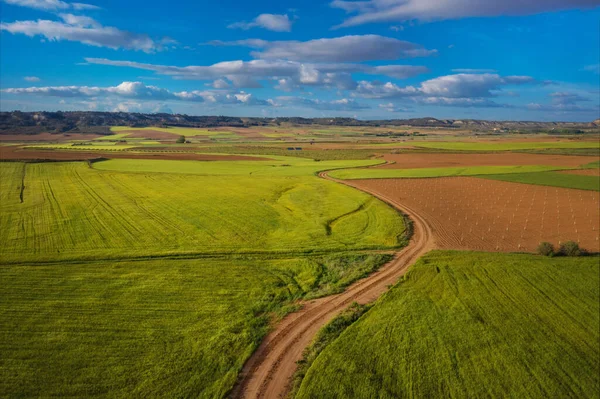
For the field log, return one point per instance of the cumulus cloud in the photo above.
(391, 107)
(51, 5)
(371, 11)
(141, 92)
(288, 74)
(31, 79)
(84, 30)
(343, 104)
(466, 90)
(354, 48)
(273, 22)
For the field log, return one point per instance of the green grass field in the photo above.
(551, 179)
(374, 173)
(495, 146)
(276, 166)
(176, 131)
(154, 328)
(155, 283)
(70, 211)
(466, 324)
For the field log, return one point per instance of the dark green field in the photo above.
(553, 179)
(464, 324)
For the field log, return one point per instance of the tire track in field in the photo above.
(268, 372)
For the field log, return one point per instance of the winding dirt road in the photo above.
(267, 374)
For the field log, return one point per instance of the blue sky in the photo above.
(373, 59)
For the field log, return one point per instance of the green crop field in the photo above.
(69, 210)
(374, 173)
(495, 146)
(464, 324)
(551, 179)
(276, 166)
(89, 146)
(152, 328)
(162, 282)
(178, 131)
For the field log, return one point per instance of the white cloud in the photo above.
(31, 78)
(371, 11)
(139, 91)
(272, 22)
(390, 107)
(354, 48)
(343, 104)
(84, 30)
(288, 74)
(220, 84)
(51, 5)
(469, 90)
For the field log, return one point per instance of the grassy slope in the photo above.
(159, 328)
(551, 179)
(472, 325)
(70, 211)
(178, 327)
(438, 172)
(277, 166)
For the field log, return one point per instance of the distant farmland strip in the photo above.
(495, 146)
(552, 179)
(464, 324)
(375, 173)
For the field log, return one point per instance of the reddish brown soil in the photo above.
(584, 172)
(47, 137)
(476, 214)
(442, 160)
(15, 153)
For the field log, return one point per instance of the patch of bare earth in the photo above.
(470, 213)
(442, 160)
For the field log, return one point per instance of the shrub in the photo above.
(181, 140)
(570, 248)
(546, 249)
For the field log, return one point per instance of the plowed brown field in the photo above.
(441, 160)
(475, 214)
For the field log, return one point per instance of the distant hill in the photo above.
(18, 122)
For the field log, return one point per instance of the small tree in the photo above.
(570, 248)
(546, 249)
(181, 140)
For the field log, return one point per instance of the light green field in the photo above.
(179, 131)
(552, 179)
(472, 325)
(150, 284)
(374, 173)
(494, 146)
(277, 166)
(119, 136)
(153, 328)
(70, 211)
